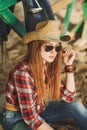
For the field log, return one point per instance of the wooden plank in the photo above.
(60, 5)
(84, 32)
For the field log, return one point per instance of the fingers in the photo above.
(68, 56)
(68, 52)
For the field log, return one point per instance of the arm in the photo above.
(27, 97)
(68, 58)
(70, 82)
(45, 126)
(68, 89)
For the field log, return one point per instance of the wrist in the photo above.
(68, 64)
(70, 68)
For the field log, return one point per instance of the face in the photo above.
(49, 51)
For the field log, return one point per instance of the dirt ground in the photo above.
(15, 48)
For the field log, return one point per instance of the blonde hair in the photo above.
(53, 72)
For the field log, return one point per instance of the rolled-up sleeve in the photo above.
(27, 98)
(66, 95)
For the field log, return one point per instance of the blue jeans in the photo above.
(54, 112)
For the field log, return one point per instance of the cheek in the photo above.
(44, 55)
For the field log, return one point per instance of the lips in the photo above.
(51, 57)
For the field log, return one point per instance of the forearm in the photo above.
(70, 82)
(45, 126)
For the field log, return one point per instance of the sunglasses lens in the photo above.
(48, 48)
(58, 48)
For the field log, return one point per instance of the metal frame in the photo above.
(9, 18)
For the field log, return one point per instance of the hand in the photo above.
(45, 126)
(68, 56)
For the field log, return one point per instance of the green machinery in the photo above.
(9, 18)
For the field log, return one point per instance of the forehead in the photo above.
(52, 43)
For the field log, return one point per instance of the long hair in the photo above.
(53, 72)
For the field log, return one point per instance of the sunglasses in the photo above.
(49, 48)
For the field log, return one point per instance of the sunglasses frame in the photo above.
(49, 48)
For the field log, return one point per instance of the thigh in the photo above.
(9, 118)
(13, 121)
(57, 111)
(20, 125)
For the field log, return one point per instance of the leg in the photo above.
(57, 111)
(20, 125)
(13, 121)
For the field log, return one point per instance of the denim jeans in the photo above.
(54, 112)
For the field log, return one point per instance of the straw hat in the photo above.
(47, 31)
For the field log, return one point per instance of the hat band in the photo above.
(53, 38)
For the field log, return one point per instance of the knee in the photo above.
(78, 106)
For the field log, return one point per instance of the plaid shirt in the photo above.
(21, 92)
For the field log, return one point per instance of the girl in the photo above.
(35, 93)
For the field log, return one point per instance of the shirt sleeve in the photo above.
(66, 95)
(27, 98)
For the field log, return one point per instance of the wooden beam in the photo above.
(60, 5)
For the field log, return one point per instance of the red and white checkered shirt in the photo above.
(21, 92)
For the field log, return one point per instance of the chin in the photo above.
(50, 61)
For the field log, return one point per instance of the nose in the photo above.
(53, 51)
